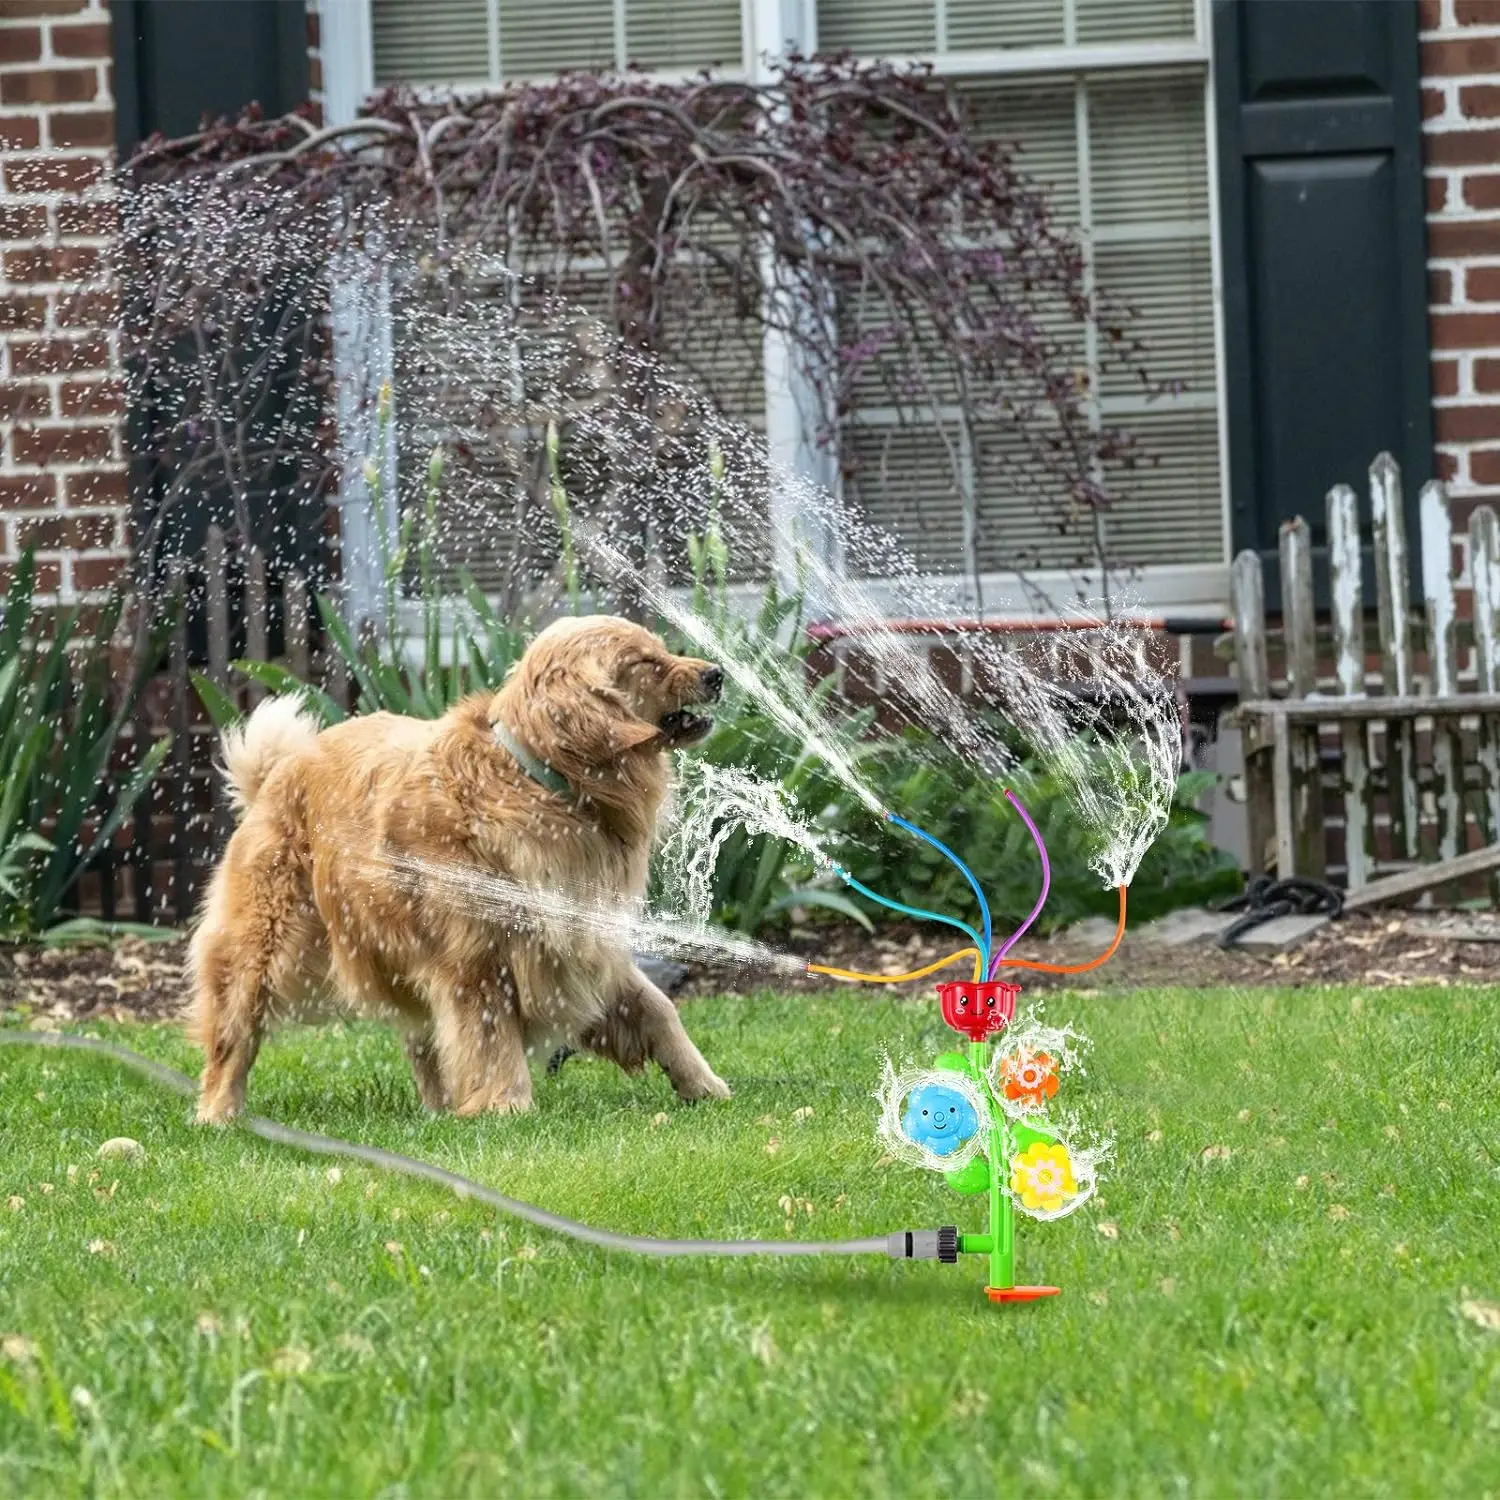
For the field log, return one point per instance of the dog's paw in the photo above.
(707, 1085)
(496, 1104)
(213, 1115)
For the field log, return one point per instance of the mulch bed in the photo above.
(1362, 948)
(135, 980)
(129, 981)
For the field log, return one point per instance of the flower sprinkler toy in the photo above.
(980, 1114)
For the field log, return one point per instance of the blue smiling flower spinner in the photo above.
(939, 1118)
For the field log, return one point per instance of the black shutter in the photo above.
(1324, 255)
(178, 60)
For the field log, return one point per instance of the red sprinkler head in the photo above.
(979, 1011)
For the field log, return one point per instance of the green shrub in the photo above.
(955, 802)
(59, 728)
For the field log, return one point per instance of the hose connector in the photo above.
(924, 1244)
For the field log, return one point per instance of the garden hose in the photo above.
(900, 1244)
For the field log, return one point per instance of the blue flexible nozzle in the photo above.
(965, 871)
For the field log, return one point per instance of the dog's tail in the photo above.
(279, 727)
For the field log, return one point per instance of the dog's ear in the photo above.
(619, 729)
(577, 726)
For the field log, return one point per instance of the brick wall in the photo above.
(62, 480)
(1461, 144)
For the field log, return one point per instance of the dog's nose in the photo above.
(713, 681)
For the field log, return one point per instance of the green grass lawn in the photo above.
(1302, 1313)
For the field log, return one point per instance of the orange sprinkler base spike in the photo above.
(1020, 1293)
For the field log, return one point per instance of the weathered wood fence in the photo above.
(158, 865)
(1381, 754)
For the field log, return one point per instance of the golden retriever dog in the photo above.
(551, 785)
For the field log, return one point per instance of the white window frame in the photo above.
(769, 29)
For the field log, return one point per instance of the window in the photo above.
(1106, 100)
(1123, 145)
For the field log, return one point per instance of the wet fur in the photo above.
(306, 910)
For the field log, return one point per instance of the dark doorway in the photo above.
(178, 65)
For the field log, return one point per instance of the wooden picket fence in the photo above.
(1400, 753)
(157, 867)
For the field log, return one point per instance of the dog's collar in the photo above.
(536, 768)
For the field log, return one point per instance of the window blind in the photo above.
(443, 42)
(871, 28)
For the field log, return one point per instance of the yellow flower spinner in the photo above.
(1042, 1177)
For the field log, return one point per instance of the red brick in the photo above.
(1477, 12)
(91, 398)
(90, 39)
(1462, 148)
(1446, 466)
(72, 264)
(20, 44)
(1487, 376)
(97, 487)
(1444, 378)
(27, 491)
(1482, 189)
(24, 401)
(66, 533)
(22, 312)
(1439, 288)
(88, 220)
(314, 30)
(1465, 330)
(52, 174)
(50, 86)
(1460, 240)
(1484, 465)
(91, 309)
(20, 132)
(48, 576)
(22, 221)
(58, 356)
(1429, 14)
(82, 127)
(1437, 192)
(1466, 424)
(315, 74)
(62, 445)
(28, 10)
(98, 572)
(1482, 283)
(1433, 102)
(1454, 59)
(1479, 101)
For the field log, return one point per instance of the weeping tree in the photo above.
(848, 209)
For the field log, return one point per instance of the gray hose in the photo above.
(898, 1245)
